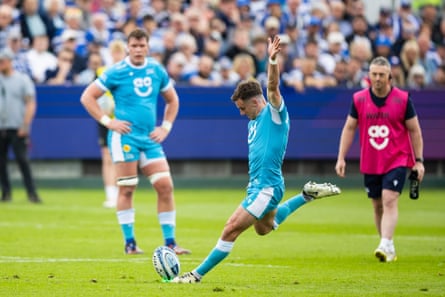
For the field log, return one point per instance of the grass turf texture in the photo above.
(71, 246)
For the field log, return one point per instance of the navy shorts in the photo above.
(393, 180)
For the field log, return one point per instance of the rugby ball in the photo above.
(166, 262)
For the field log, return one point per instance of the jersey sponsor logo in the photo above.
(252, 133)
(143, 86)
(376, 134)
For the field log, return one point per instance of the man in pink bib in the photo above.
(390, 144)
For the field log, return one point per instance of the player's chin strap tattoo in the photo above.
(128, 181)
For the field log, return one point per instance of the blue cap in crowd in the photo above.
(271, 2)
(405, 3)
(383, 40)
(240, 3)
(314, 21)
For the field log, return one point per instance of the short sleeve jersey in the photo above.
(267, 140)
(135, 90)
(15, 89)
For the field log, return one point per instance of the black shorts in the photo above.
(393, 180)
(103, 135)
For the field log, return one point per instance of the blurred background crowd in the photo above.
(325, 43)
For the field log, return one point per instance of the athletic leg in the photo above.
(127, 181)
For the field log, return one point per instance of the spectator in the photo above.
(156, 50)
(334, 53)
(54, 9)
(169, 42)
(40, 59)
(408, 33)
(356, 76)
(34, 23)
(115, 10)
(439, 31)
(227, 76)
(340, 74)
(198, 28)
(272, 26)
(360, 49)
(440, 48)
(405, 12)
(259, 50)
(175, 68)
(63, 73)
(285, 53)
(6, 24)
(136, 11)
(69, 40)
(338, 16)
(397, 74)
(274, 8)
(307, 76)
(213, 45)
(244, 66)
(186, 44)
(360, 29)
(90, 73)
(240, 44)
(98, 31)
(383, 46)
(428, 56)
(409, 56)
(227, 12)
(73, 29)
(439, 78)
(18, 106)
(20, 61)
(205, 76)
(429, 15)
(416, 77)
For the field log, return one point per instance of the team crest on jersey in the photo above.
(126, 148)
(142, 86)
(378, 136)
(252, 133)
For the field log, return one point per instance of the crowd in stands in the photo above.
(325, 43)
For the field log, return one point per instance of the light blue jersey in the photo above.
(267, 140)
(135, 90)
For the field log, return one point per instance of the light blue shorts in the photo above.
(130, 147)
(261, 201)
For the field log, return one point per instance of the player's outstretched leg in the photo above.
(311, 191)
(219, 253)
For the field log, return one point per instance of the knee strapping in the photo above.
(157, 176)
(128, 181)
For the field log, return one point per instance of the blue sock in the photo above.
(128, 231)
(168, 232)
(219, 253)
(126, 221)
(288, 207)
(167, 220)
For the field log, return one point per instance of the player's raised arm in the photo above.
(273, 72)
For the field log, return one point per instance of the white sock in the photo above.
(387, 242)
(111, 193)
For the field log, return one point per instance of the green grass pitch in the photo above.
(71, 246)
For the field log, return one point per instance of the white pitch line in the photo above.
(5, 259)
